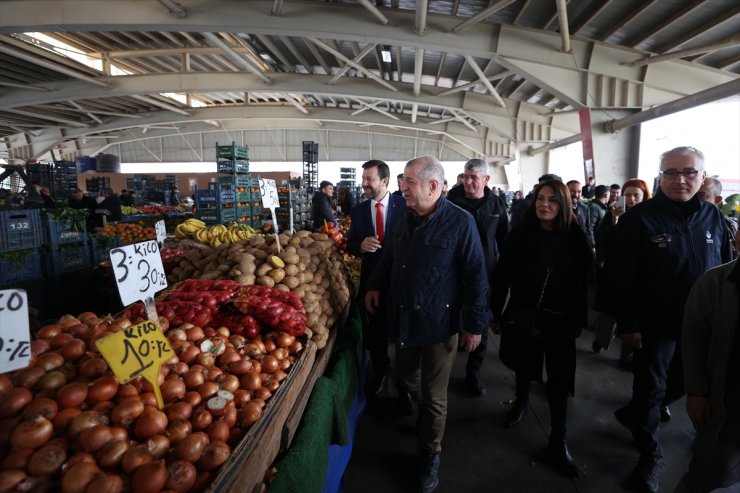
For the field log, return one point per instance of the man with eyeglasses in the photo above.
(662, 247)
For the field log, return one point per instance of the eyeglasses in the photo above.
(675, 173)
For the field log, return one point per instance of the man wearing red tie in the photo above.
(371, 225)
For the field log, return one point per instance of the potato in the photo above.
(289, 258)
(294, 241)
(290, 281)
(246, 279)
(307, 241)
(303, 233)
(277, 275)
(291, 270)
(265, 281)
(320, 236)
(282, 287)
(276, 262)
(260, 254)
(247, 266)
(263, 269)
(256, 240)
(300, 292)
(302, 266)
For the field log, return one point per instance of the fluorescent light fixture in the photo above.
(386, 54)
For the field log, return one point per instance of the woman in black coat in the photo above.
(543, 269)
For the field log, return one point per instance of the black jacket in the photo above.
(113, 204)
(584, 221)
(491, 220)
(433, 278)
(661, 248)
(521, 274)
(321, 210)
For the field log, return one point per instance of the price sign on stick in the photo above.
(137, 351)
(161, 231)
(270, 200)
(15, 339)
(138, 271)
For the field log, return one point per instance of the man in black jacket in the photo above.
(489, 212)
(662, 246)
(321, 205)
(432, 276)
(581, 211)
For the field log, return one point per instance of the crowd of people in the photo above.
(440, 268)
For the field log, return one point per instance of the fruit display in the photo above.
(213, 235)
(308, 264)
(69, 426)
(129, 232)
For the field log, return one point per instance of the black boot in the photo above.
(519, 409)
(429, 473)
(557, 447)
(561, 457)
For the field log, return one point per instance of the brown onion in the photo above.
(151, 422)
(17, 458)
(214, 455)
(119, 433)
(108, 483)
(201, 418)
(78, 458)
(42, 406)
(279, 375)
(207, 389)
(150, 477)
(173, 389)
(10, 479)
(28, 377)
(134, 457)
(64, 417)
(269, 364)
(251, 381)
(59, 340)
(86, 420)
(218, 431)
(92, 439)
(158, 445)
(193, 378)
(53, 380)
(241, 397)
(111, 453)
(126, 411)
(103, 389)
(284, 363)
(240, 366)
(269, 345)
(284, 340)
(47, 461)
(262, 394)
(177, 335)
(250, 413)
(179, 410)
(93, 367)
(32, 433)
(229, 382)
(195, 334)
(296, 347)
(280, 353)
(73, 350)
(49, 361)
(193, 398)
(181, 476)
(231, 416)
(49, 331)
(188, 354)
(178, 430)
(72, 395)
(127, 390)
(192, 447)
(77, 478)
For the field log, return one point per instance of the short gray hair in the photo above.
(682, 150)
(477, 165)
(431, 168)
(715, 184)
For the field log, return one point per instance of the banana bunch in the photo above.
(216, 235)
(189, 227)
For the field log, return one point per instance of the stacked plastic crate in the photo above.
(206, 206)
(232, 168)
(21, 235)
(69, 250)
(293, 200)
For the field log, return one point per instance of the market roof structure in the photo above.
(162, 80)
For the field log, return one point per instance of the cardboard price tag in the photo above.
(15, 338)
(138, 270)
(268, 192)
(137, 351)
(161, 231)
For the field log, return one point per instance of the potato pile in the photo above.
(309, 265)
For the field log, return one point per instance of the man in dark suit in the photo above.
(371, 225)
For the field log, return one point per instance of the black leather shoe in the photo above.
(429, 474)
(474, 386)
(562, 459)
(665, 414)
(405, 403)
(645, 477)
(516, 413)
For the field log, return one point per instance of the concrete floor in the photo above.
(479, 454)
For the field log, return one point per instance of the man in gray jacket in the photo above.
(711, 361)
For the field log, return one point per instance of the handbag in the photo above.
(531, 322)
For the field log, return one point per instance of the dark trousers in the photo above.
(375, 337)
(476, 358)
(650, 369)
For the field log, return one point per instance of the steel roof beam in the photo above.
(52, 66)
(487, 12)
(729, 42)
(357, 59)
(704, 28)
(667, 22)
(346, 60)
(563, 19)
(234, 57)
(421, 16)
(174, 8)
(161, 104)
(418, 70)
(482, 77)
(374, 10)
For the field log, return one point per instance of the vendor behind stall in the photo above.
(112, 204)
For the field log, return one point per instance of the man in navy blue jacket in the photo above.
(365, 240)
(432, 277)
(662, 247)
(321, 205)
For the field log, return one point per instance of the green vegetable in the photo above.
(73, 219)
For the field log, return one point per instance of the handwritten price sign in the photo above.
(138, 270)
(161, 231)
(137, 351)
(15, 339)
(269, 194)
